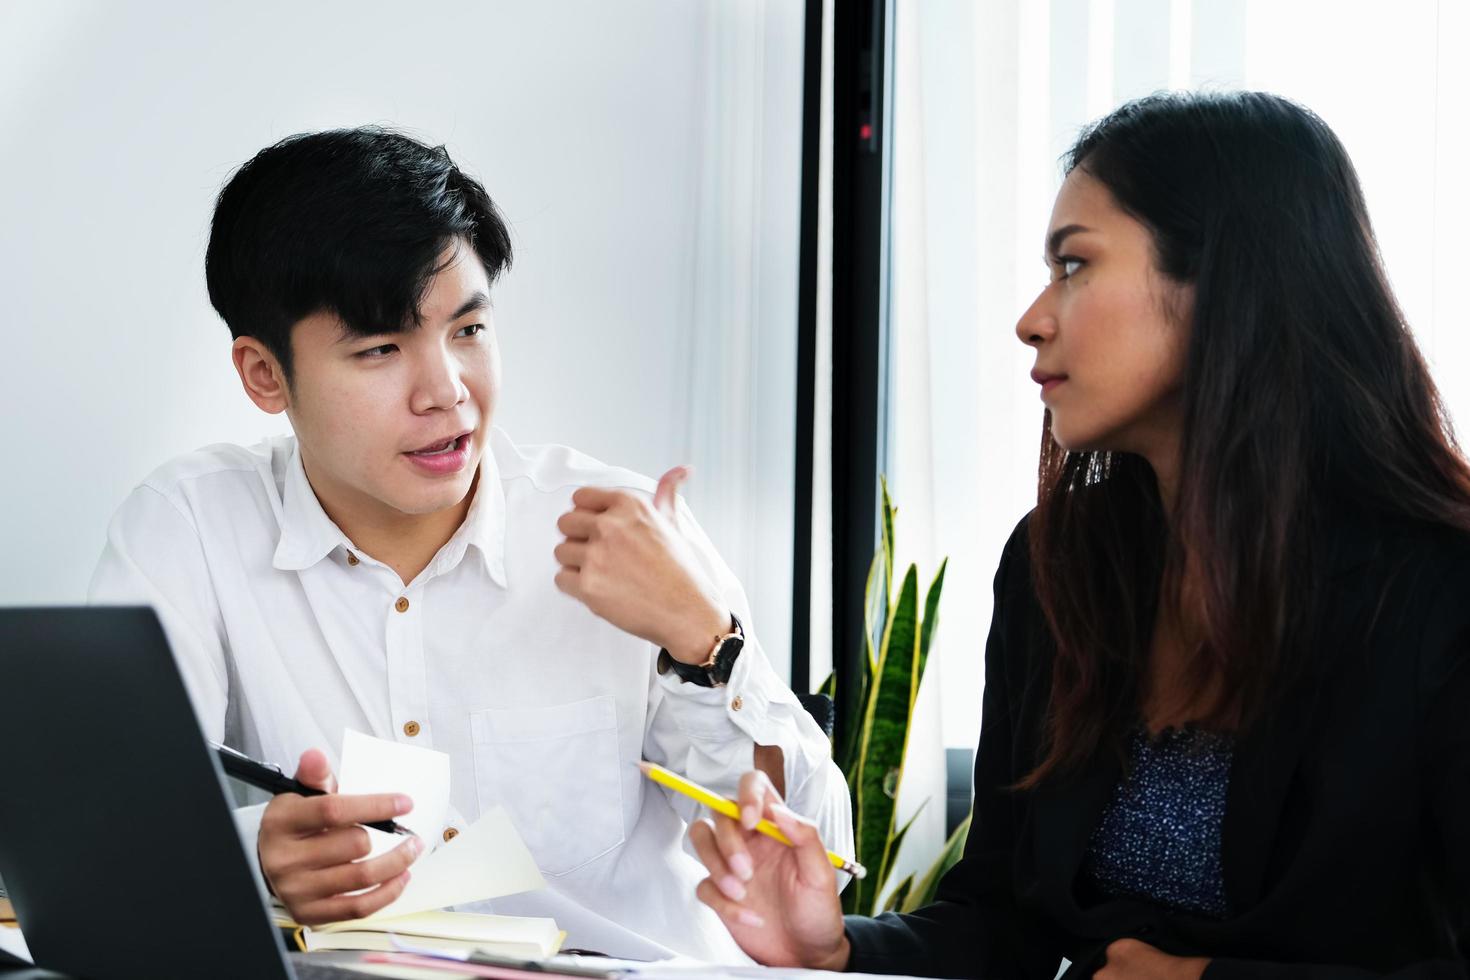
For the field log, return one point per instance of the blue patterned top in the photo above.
(1159, 837)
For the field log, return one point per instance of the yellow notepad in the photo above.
(521, 937)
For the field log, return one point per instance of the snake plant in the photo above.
(871, 752)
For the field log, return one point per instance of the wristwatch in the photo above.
(717, 667)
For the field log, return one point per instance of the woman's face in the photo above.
(1109, 354)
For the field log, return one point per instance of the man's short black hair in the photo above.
(350, 222)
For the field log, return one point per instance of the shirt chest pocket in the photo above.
(555, 771)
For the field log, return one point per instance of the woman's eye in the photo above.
(471, 330)
(375, 352)
(1069, 266)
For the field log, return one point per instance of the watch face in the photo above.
(725, 658)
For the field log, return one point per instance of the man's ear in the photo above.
(261, 375)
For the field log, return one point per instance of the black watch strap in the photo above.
(717, 670)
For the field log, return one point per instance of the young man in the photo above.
(401, 568)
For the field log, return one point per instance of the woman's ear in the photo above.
(261, 375)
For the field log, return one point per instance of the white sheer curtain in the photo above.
(740, 343)
(988, 95)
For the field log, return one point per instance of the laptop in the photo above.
(117, 844)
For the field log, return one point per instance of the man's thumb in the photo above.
(315, 771)
(668, 489)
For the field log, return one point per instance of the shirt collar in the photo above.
(308, 535)
(483, 527)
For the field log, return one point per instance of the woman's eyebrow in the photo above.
(1056, 238)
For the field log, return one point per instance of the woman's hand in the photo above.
(780, 903)
(1133, 959)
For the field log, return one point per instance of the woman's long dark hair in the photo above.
(1303, 390)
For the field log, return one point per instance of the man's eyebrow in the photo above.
(478, 301)
(1055, 239)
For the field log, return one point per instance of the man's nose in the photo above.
(438, 384)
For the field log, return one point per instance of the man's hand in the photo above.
(1133, 959)
(310, 846)
(627, 562)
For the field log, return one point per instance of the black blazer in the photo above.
(1346, 837)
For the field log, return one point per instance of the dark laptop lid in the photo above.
(116, 840)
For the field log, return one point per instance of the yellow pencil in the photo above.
(719, 804)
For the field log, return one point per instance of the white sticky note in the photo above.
(374, 765)
(487, 860)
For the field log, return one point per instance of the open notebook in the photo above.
(505, 935)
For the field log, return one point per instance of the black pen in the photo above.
(263, 775)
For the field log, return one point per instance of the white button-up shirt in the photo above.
(286, 635)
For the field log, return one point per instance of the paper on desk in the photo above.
(12, 942)
(488, 859)
(374, 765)
(688, 968)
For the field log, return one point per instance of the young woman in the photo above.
(1226, 720)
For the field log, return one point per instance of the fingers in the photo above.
(730, 838)
(812, 863)
(283, 859)
(668, 489)
(755, 792)
(326, 849)
(315, 771)
(569, 580)
(309, 814)
(579, 525)
(702, 834)
(340, 908)
(353, 876)
(728, 910)
(571, 554)
(596, 499)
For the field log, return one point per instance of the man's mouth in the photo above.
(442, 448)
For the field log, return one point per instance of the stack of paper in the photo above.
(504, 935)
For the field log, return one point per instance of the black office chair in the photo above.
(819, 706)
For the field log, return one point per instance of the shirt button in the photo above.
(450, 834)
(351, 558)
(402, 604)
(737, 704)
(411, 728)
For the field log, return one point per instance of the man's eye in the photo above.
(380, 351)
(471, 330)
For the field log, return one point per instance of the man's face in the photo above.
(395, 424)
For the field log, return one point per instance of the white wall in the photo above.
(646, 155)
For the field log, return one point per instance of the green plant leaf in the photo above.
(885, 738)
(931, 616)
(899, 896)
(896, 844)
(924, 892)
(875, 610)
(888, 514)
